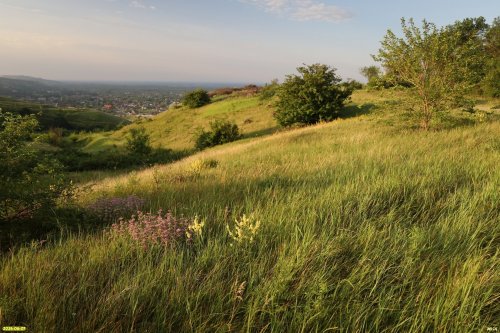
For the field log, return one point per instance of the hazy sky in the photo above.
(205, 40)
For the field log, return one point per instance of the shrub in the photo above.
(29, 182)
(352, 85)
(139, 142)
(197, 166)
(158, 229)
(221, 132)
(313, 96)
(196, 98)
(269, 90)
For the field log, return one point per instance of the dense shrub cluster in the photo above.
(196, 98)
(221, 132)
(29, 182)
(139, 142)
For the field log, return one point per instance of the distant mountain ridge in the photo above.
(29, 79)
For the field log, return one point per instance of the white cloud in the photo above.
(303, 10)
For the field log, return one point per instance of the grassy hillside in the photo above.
(176, 129)
(70, 119)
(364, 228)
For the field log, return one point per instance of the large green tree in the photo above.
(440, 64)
(312, 96)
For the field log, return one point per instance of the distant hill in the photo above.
(20, 86)
(70, 119)
(30, 79)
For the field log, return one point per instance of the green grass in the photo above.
(177, 129)
(364, 228)
(70, 119)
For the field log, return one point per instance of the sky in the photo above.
(250, 41)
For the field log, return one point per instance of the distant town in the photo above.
(121, 99)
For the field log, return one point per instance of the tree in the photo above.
(196, 98)
(491, 83)
(139, 142)
(440, 65)
(312, 96)
(371, 73)
(29, 182)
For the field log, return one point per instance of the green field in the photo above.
(70, 119)
(367, 225)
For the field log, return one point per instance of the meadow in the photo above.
(359, 225)
(177, 128)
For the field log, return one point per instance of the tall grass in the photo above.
(362, 229)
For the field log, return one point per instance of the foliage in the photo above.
(221, 131)
(29, 183)
(441, 65)
(491, 83)
(352, 85)
(269, 90)
(312, 96)
(146, 229)
(139, 142)
(196, 98)
(372, 74)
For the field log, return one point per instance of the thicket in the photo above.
(139, 142)
(221, 131)
(196, 98)
(29, 182)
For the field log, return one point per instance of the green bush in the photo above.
(139, 142)
(352, 85)
(269, 90)
(196, 98)
(221, 132)
(313, 96)
(29, 182)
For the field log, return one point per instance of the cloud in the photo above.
(141, 4)
(303, 10)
